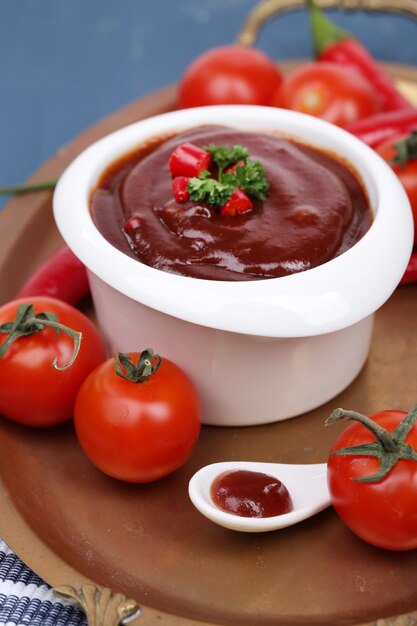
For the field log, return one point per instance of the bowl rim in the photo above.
(324, 299)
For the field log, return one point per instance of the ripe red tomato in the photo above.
(332, 92)
(32, 391)
(229, 75)
(407, 173)
(137, 432)
(384, 512)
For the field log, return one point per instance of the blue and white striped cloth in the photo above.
(26, 600)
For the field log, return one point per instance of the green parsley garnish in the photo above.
(223, 156)
(210, 190)
(252, 180)
(249, 176)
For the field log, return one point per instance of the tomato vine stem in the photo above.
(388, 447)
(27, 323)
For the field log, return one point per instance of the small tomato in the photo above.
(32, 390)
(372, 477)
(330, 91)
(229, 74)
(135, 420)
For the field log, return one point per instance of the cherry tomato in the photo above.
(137, 431)
(383, 512)
(407, 173)
(332, 92)
(32, 391)
(229, 75)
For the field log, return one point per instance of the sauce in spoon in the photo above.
(250, 494)
(306, 484)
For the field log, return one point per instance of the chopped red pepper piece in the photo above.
(180, 188)
(238, 204)
(133, 225)
(188, 160)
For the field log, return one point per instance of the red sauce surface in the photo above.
(316, 209)
(250, 494)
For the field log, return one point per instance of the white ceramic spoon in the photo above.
(307, 485)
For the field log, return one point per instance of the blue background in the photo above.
(65, 65)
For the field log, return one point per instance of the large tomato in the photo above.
(229, 75)
(407, 172)
(383, 511)
(32, 390)
(332, 92)
(137, 431)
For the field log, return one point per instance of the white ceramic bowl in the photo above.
(257, 351)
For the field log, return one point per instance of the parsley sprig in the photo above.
(248, 175)
(210, 190)
(224, 156)
(252, 180)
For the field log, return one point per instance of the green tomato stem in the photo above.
(148, 364)
(388, 447)
(27, 323)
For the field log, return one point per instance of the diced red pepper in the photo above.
(238, 204)
(233, 167)
(189, 160)
(180, 188)
(133, 225)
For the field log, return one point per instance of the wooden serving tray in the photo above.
(72, 524)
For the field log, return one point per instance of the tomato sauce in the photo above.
(250, 494)
(316, 209)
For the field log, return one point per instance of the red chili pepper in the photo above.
(238, 204)
(331, 43)
(375, 129)
(133, 225)
(188, 160)
(180, 188)
(62, 276)
(410, 274)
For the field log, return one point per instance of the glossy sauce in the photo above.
(250, 494)
(316, 209)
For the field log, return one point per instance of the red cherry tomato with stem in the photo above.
(33, 391)
(137, 424)
(329, 91)
(372, 477)
(229, 74)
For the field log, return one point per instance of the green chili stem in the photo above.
(325, 33)
(29, 188)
